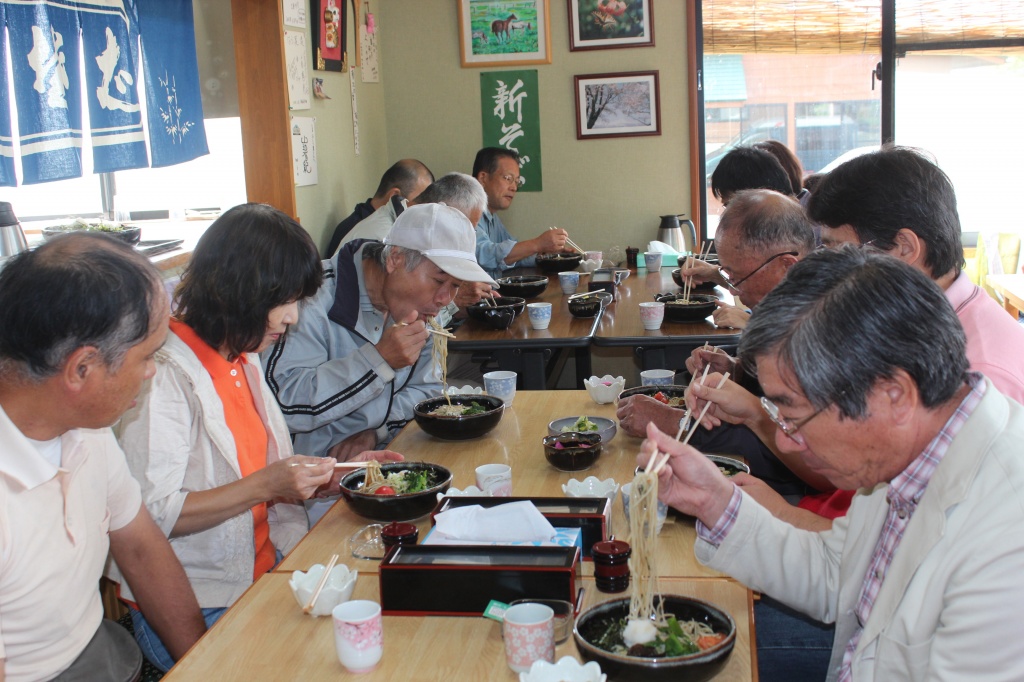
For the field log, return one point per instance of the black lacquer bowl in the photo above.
(694, 309)
(671, 391)
(523, 286)
(572, 451)
(499, 313)
(459, 428)
(396, 507)
(703, 286)
(551, 263)
(690, 668)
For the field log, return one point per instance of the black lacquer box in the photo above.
(436, 580)
(592, 515)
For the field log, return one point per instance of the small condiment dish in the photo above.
(567, 669)
(591, 486)
(606, 428)
(337, 590)
(590, 265)
(469, 491)
(604, 390)
(465, 390)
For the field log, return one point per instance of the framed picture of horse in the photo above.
(504, 32)
(617, 105)
(604, 24)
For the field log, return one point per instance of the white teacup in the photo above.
(501, 384)
(652, 314)
(495, 479)
(358, 634)
(657, 377)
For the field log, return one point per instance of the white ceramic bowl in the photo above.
(568, 669)
(604, 390)
(337, 590)
(591, 486)
(470, 491)
(606, 428)
(465, 390)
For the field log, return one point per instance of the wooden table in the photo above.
(1011, 288)
(527, 351)
(665, 348)
(517, 442)
(265, 636)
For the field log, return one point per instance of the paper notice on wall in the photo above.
(370, 69)
(295, 13)
(295, 57)
(304, 150)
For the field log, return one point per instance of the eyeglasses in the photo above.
(787, 426)
(513, 179)
(737, 283)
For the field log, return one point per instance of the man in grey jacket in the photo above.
(348, 375)
(865, 374)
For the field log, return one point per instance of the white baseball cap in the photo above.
(444, 235)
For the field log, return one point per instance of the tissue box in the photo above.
(592, 515)
(564, 537)
(439, 580)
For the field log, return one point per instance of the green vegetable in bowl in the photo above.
(581, 425)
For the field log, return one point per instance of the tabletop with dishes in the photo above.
(569, 303)
(376, 584)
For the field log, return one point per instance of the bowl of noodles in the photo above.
(671, 395)
(522, 286)
(395, 491)
(460, 417)
(692, 308)
(498, 312)
(693, 641)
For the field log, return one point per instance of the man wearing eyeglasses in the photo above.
(497, 250)
(761, 236)
(865, 373)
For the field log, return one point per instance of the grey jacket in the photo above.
(329, 379)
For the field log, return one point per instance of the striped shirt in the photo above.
(905, 491)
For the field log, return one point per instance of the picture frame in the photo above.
(504, 32)
(608, 24)
(329, 30)
(617, 105)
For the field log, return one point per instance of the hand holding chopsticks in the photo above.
(308, 608)
(693, 429)
(571, 243)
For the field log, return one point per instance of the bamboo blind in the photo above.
(844, 26)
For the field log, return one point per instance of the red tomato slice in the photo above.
(384, 490)
(708, 641)
(660, 397)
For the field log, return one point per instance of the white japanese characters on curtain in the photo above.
(75, 69)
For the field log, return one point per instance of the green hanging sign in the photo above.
(510, 108)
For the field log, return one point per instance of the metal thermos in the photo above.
(681, 236)
(12, 237)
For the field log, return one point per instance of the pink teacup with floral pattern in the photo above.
(358, 634)
(529, 631)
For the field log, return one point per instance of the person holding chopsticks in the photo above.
(207, 440)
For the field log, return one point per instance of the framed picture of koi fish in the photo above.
(604, 24)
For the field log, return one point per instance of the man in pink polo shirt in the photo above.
(80, 320)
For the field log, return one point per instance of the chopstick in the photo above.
(320, 585)
(693, 429)
(571, 243)
(686, 415)
(440, 332)
(337, 465)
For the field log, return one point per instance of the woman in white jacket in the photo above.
(206, 440)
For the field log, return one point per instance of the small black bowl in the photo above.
(710, 260)
(728, 465)
(572, 456)
(498, 313)
(459, 428)
(671, 391)
(396, 507)
(703, 286)
(523, 286)
(589, 305)
(690, 668)
(551, 263)
(696, 309)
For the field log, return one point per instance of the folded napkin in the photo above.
(655, 246)
(510, 522)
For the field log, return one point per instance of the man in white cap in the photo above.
(348, 375)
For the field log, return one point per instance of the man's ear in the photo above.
(909, 247)
(80, 366)
(395, 261)
(391, 192)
